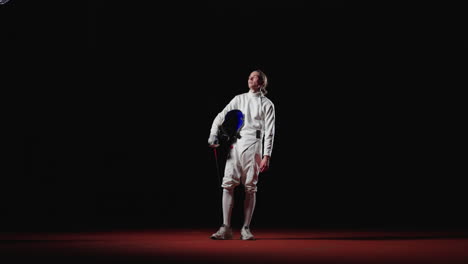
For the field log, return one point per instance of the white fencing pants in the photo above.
(243, 166)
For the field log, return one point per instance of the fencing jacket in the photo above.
(259, 114)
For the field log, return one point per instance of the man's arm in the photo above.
(265, 164)
(268, 138)
(269, 130)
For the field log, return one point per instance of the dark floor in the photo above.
(271, 246)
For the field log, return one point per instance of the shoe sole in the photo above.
(224, 238)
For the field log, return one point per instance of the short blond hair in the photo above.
(264, 79)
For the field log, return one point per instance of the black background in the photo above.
(109, 107)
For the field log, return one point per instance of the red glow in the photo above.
(280, 246)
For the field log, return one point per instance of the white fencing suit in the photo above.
(256, 139)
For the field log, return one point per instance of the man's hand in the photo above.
(213, 141)
(265, 164)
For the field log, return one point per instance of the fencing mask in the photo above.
(229, 131)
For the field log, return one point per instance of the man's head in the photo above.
(258, 81)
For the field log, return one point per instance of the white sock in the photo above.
(249, 206)
(228, 203)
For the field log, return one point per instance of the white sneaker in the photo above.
(246, 234)
(224, 233)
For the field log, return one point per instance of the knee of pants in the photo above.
(229, 184)
(250, 189)
(250, 186)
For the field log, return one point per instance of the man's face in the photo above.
(255, 81)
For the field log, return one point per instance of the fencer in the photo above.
(249, 154)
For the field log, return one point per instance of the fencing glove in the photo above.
(213, 141)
